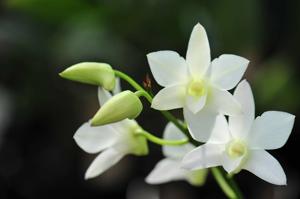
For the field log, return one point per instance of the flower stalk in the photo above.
(141, 92)
(160, 141)
(225, 185)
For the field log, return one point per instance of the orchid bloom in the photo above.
(114, 140)
(169, 168)
(196, 84)
(241, 143)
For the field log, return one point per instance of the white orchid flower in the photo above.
(241, 143)
(114, 141)
(169, 168)
(195, 84)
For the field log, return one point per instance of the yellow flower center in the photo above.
(196, 88)
(236, 149)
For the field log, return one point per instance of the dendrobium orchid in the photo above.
(114, 140)
(196, 84)
(241, 143)
(201, 87)
(169, 168)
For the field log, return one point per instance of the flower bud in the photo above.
(121, 106)
(99, 74)
(197, 177)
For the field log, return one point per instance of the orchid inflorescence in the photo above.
(206, 139)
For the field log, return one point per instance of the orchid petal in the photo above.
(167, 67)
(95, 139)
(240, 125)
(266, 167)
(227, 71)
(200, 124)
(223, 102)
(195, 104)
(169, 98)
(104, 161)
(271, 130)
(173, 133)
(231, 164)
(166, 170)
(117, 88)
(220, 132)
(103, 96)
(198, 52)
(204, 156)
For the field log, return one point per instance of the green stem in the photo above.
(160, 141)
(234, 186)
(223, 183)
(227, 184)
(180, 126)
(129, 80)
(142, 92)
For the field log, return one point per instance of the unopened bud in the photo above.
(121, 106)
(99, 74)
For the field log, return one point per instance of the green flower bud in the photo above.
(121, 106)
(197, 177)
(99, 74)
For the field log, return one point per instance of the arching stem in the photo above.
(161, 141)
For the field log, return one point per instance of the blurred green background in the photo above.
(40, 112)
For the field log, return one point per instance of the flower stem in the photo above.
(225, 186)
(226, 183)
(234, 186)
(129, 80)
(142, 92)
(160, 141)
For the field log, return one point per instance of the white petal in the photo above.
(198, 52)
(169, 98)
(271, 130)
(204, 156)
(220, 132)
(201, 124)
(104, 161)
(240, 125)
(265, 166)
(195, 104)
(173, 133)
(166, 170)
(227, 71)
(124, 127)
(117, 88)
(167, 67)
(94, 139)
(230, 164)
(103, 96)
(223, 102)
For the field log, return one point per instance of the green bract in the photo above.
(121, 106)
(99, 74)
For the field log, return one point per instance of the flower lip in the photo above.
(196, 88)
(236, 149)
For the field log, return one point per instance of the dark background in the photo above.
(40, 112)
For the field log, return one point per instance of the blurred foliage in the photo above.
(51, 11)
(276, 86)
